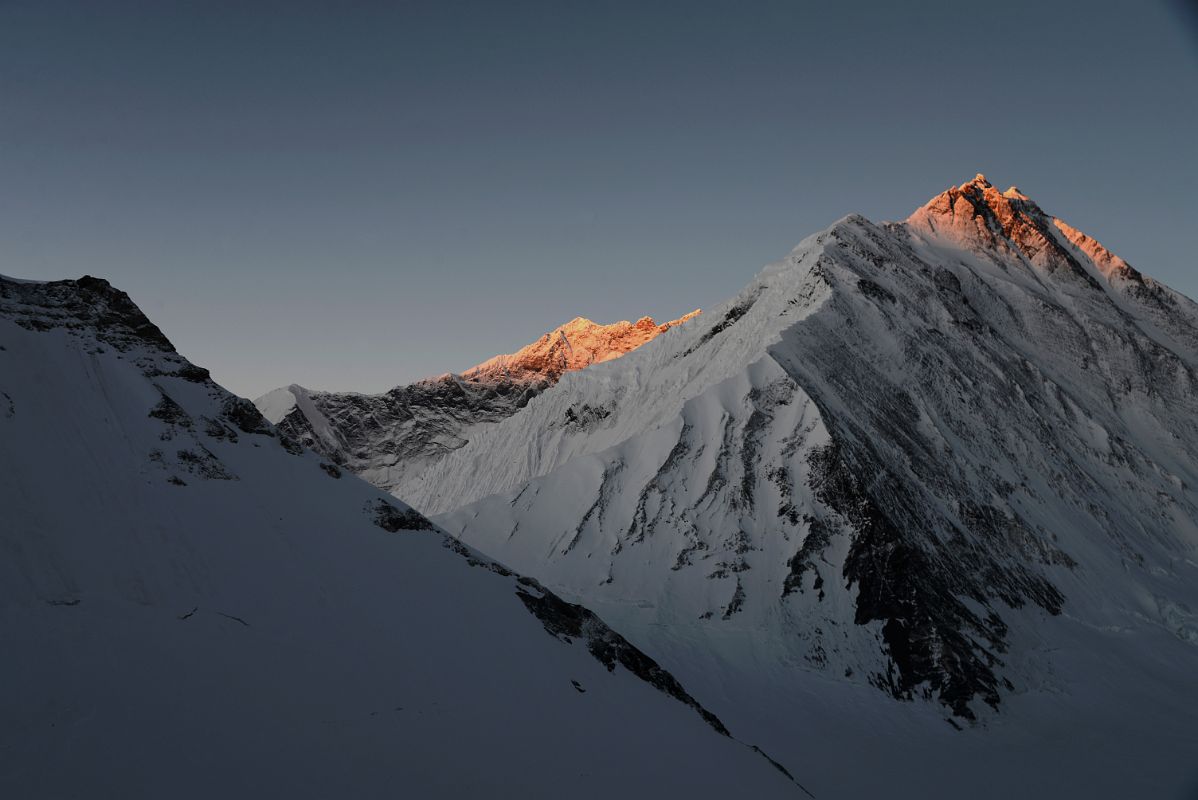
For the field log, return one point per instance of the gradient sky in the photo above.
(300, 193)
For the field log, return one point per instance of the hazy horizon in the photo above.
(352, 201)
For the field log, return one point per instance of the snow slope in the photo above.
(950, 461)
(191, 605)
(390, 438)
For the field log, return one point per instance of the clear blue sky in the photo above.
(349, 199)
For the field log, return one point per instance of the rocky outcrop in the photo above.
(89, 306)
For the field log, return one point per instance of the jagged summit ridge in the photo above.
(573, 346)
(1013, 232)
(977, 213)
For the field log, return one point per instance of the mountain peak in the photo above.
(577, 344)
(83, 304)
(977, 216)
(980, 183)
(977, 213)
(978, 180)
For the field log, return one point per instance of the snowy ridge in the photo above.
(187, 592)
(389, 438)
(649, 386)
(950, 459)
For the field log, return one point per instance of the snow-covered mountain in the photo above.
(192, 605)
(390, 438)
(950, 460)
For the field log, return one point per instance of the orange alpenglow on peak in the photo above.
(977, 215)
(976, 212)
(573, 346)
(1104, 259)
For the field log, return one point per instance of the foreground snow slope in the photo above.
(390, 438)
(949, 460)
(191, 605)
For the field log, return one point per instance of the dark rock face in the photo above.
(900, 585)
(246, 417)
(201, 462)
(219, 430)
(171, 412)
(190, 372)
(586, 417)
(384, 437)
(88, 303)
(392, 520)
(938, 582)
(728, 320)
(819, 536)
(568, 621)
